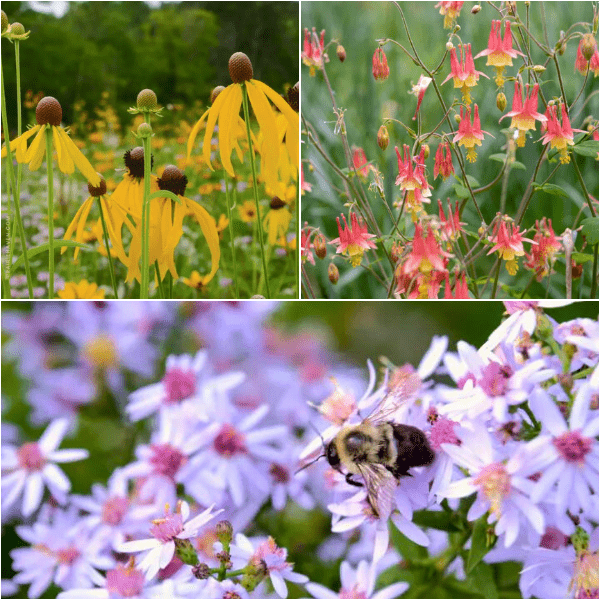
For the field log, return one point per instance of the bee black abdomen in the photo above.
(413, 449)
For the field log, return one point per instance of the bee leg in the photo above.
(351, 481)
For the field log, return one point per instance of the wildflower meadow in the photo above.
(178, 449)
(191, 193)
(450, 150)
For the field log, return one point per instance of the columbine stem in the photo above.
(110, 260)
(255, 188)
(235, 279)
(146, 220)
(50, 212)
(11, 176)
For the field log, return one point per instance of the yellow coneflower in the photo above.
(196, 281)
(48, 114)
(247, 211)
(222, 224)
(81, 291)
(277, 220)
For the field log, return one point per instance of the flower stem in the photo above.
(235, 279)
(146, 221)
(297, 254)
(11, 176)
(110, 260)
(255, 189)
(50, 212)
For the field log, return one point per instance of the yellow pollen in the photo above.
(494, 482)
(101, 352)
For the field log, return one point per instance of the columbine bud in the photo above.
(449, 46)
(146, 100)
(426, 148)
(588, 46)
(4, 21)
(501, 101)
(476, 9)
(383, 137)
(320, 245)
(240, 68)
(48, 111)
(539, 68)
(97, 191)
(341, 53)
(144, 130)
(457, 118)
(381, 71)
(333, 273)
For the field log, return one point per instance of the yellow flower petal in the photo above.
(293, 131)
(194, 133)
(35, 153)
(213, 113)
(13, 145)
(82, 221)
(20, 143)
(268, 128)
(65, 162)
(209, 229)
(81, 162)
(229, 115)
(74, 222)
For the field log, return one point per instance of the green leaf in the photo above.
(165, 194)
(483, 578)
(581, 258)
(407, 548)
(518, 165)
(550, 188)
(587, 148)
(461, 191)
(445, 521)
(479, 547)
(35, 250)
(498, 157)
(589, 228)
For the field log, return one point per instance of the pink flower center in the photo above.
(573, 446)
(166, 460)
(313, 371)
(494, 482)
(354, 592)
(67, 556)
(179, 385)
(124, 582)
(114, 509)
(279, 473)
(230, 442)
(442, 432)
(553, 539)
(463, 380)
(495, 379)
(30, 457)
(167, 528)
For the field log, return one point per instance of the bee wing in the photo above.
(380, 484)
(388, 406)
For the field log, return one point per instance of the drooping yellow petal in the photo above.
(227, 120)
(82, 221)
(276, 223)
(81, 162)
(35, 153)
(209, 230)
(65, 162)
(13, 145)
(292, 139)
(213, 113)
(20, 143)
(194, 133)
(74, 222)
(268, 128)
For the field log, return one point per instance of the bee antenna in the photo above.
(318, 457)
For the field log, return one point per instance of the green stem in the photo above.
(50, 211)
(255, 189)
(235, 279)
(594, 289)
(161, 289)
(110, 260)
(11, 246)
(146, 221)
(11, 176)
(496, 276)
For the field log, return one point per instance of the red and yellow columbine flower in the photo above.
(443, 162)
(49, 114)
(413, 181)
(509, 244)
(451, 226)
(226, 110)
(587, 55)
(450, 12)
(500, 51)
(313, 50)
(306, 249)
(469, 135)
(463, 73)
(461, 290)
(524, 113)
(381, 71)
(81, 291)
(419, 91)
(353, 240)
(545, 246)
(559, 136)
(359, 160)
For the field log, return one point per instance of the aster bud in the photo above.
(185, 550)
(201, 571)
(476, 9)
(320, 245)
(341, 53)
(240, 68)
(4, 21)
(254, 572)
(501, 101)
(333, 273)
(588, 46)
(383, 137)
(224, 531)
(146, 100)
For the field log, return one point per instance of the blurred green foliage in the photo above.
(180, 50)
(358, 26)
